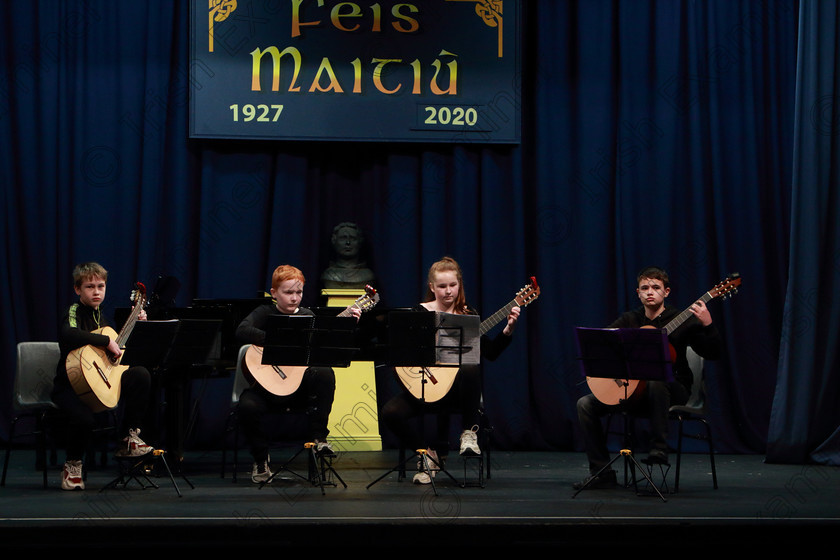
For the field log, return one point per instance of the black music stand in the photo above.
(624, 354)
(311, 341)
(194, 343)
(149, 343)
(170, 347)
(170, 343)
(425, 340)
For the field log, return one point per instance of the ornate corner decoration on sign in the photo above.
(490, 11)
(219, 11)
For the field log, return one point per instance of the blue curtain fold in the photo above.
(805, 419)
(653, 132)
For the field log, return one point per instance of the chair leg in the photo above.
(711, 452)
(401, 458)
(41, 444)
(232, 425)
(235, 466)
(224, 447)
(224, 461)
(8, 452)
(6, 463)
(679, 455)
(707, 438)
(487, 448)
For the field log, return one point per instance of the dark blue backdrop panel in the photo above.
(652, 133)
(805, 417)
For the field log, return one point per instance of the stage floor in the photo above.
(527, 501)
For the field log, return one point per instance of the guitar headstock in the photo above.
(728, 287)
(369, 300)
(138, 294)
(528, 293)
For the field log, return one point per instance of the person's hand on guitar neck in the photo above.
(699, 309)
(512, 318)
(113, 349)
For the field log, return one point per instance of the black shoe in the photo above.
(656, 457)
(604, 480)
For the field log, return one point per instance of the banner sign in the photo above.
(364, 70)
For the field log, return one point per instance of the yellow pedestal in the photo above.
(354, 420)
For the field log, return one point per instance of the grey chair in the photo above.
(35, 371)
(240, 383)
(34, 376)
(694, 411)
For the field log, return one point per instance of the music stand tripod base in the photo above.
(423, 457)
(134, 467)
(319, 465)
(628, 456)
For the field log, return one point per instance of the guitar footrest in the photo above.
(139, 469)
(657, 471)
(473, 471)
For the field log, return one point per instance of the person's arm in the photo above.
(706, 341)
(71, 336)
(626, 320)
(492, 348)
(251, 329)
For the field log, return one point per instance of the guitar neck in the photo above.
(677, 321)
(364, 303)
(129, 325)
(346, 312)
(496, 318)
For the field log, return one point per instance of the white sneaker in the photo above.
(260, 472)
(421, 478)
(324, 449)
(71, 476)
(424, 476)
(134, 446)
(469, 442)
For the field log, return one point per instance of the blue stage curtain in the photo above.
(653, 132)
(662, 135)
(805, 420)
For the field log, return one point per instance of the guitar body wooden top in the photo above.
(94, 376)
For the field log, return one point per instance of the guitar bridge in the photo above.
(102, 374)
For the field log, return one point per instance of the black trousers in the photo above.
(314, 397)
(135, 387)
(653, 404)
(464, 398)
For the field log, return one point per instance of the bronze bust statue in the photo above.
(347, 269)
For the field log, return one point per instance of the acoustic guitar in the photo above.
(285, 380)
(94, 373)
(612, 391)
(438, 380)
